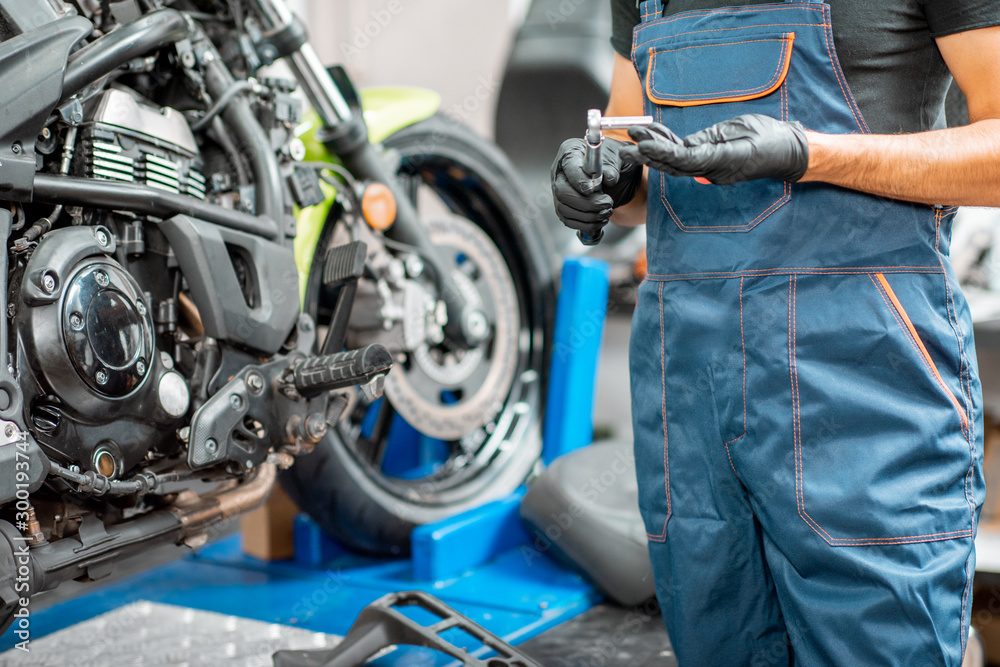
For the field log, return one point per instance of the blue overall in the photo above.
(807, 411)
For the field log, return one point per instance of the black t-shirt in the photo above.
(886, 49)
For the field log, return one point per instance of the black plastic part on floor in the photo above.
(606, 636)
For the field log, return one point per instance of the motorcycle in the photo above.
(208, 294)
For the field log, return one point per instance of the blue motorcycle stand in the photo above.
(482, 564)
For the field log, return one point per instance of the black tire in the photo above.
(353, 500)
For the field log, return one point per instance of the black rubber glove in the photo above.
(577, 205)
(740, 149)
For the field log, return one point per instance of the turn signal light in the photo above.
(378, 206)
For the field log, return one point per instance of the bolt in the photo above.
(235, 401)
(256, 382)
(102, 377)
(315, 427)
(48, 283)
(476, 326)
(414, 266)
(211, 446)
(140, 307)
(249, 464)
(76, 321)
(16, 148)
(102, 278)
(46, 133)
(102, 237)
(140, 367)
(8, 430)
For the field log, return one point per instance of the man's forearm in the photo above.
(958, 166)
(633, 213)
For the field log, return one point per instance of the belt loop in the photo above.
(650, 10)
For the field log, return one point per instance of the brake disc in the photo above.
(447, 393)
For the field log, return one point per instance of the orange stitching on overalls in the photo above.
(773, 84)
(841, 81)
(907, 325)
(797, 439)
(966, 369)
(785, 270)
(691, 229)
(663, 412)
(744, 347)
(759, 25)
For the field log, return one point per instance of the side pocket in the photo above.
(881, 457)
(907, 325)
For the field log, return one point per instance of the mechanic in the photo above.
(806, 406)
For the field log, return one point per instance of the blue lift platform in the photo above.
(483, 563)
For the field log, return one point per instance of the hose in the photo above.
(220, 104)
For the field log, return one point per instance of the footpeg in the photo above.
(366, 366)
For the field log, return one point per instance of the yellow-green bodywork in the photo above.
(387, 109)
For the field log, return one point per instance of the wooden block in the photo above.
(991, 469)
(268, 532)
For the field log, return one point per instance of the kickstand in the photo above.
(379, 626)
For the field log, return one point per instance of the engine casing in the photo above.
(86, 342)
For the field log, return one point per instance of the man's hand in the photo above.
(577, 204)
(740, 149)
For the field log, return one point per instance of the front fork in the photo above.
(345, 135)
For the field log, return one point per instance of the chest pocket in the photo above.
(692, 84)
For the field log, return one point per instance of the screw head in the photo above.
(8, 430)
(102, 278)
(211, 446)
(101, 376)
(48, 283)
(140, 307)
(140, 367)
(255, 382)
(102, 237)
(76, 321)
(235, 401)
(16, 148)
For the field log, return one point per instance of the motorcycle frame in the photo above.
(92, 551)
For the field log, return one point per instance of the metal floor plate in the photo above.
(150, 634)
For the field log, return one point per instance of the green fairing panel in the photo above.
(387, 110)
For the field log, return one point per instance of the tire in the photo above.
(355, 501)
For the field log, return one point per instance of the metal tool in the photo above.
(592, 164)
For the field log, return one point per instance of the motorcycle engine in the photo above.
(100, 395)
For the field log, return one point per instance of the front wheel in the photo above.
(455, 428)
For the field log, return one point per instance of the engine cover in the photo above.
(96, 390)
(107, 328)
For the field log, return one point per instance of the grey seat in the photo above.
(583, 511)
